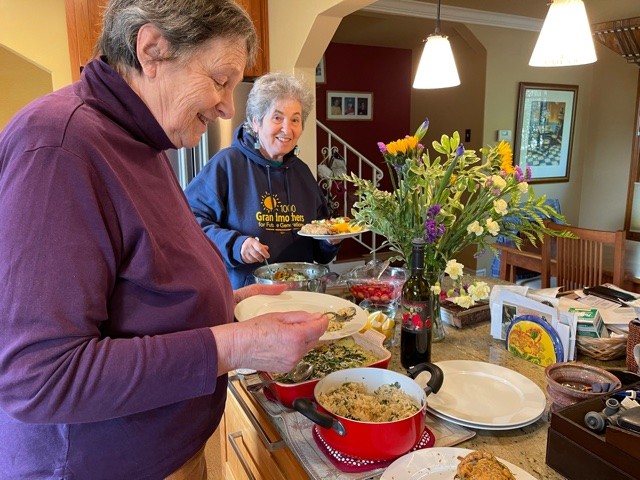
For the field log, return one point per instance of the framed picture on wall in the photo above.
(320, 76)
(349, 106)
(544, 130)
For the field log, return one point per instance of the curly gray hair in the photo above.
(272, 87)
(185, 24)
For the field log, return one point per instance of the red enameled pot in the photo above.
(370, 440)
(286, 393)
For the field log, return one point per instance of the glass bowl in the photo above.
(380, 291)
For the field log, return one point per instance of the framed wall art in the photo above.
(544, 130)
(349, 106)
(320, 75)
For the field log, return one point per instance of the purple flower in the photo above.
(460, 150)
(519, 175)
(382, 147)
(529, 175)
(433, 230)
(434, 210)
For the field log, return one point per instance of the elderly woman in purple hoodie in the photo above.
(116, 312)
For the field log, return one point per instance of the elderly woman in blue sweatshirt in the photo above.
(258, 188)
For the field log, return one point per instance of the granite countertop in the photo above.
(526, 446)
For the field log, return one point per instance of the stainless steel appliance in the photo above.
(187, 162)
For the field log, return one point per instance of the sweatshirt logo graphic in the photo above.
(276, 216)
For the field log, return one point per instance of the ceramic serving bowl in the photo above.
(572, 382)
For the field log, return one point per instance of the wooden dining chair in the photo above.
(584, 261)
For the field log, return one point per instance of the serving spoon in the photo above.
(297, 374)
(266, 262)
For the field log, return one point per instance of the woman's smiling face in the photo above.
(280, 128)
(186, 95)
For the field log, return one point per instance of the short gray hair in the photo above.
(185, 24)
(272, 87)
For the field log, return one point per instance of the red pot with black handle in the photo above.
(372, 440)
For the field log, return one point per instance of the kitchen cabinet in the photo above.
(254, 449)
(258, 11)
(84, 22)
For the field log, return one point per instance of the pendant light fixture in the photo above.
(437, 67)
(565, 38)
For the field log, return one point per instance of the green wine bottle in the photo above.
(416, 333)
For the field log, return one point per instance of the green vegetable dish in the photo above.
(331, 357)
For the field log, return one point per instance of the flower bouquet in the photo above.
(457, 199)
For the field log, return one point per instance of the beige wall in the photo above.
(34, 52)
(22, 80)
(595, 195)
(37, 30)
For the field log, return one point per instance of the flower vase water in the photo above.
(434, 278)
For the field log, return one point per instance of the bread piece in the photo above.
(482, 465)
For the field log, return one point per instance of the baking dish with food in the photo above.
(372, 440)
(308, 277)
(371, 341)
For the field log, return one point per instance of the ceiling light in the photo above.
(565, 38)
(437, 67)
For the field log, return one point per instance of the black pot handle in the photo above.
(308, 408)
(437, 377)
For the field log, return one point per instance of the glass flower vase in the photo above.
(437, 327)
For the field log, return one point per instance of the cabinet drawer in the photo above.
(253, 444)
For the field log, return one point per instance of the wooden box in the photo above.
(578, 453)
(461, 317)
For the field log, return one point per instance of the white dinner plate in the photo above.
(481, 394)
(306, 301)
(475, 426)
(337, 236)
(439, 463)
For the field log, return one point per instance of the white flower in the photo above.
(500, 206)
(493, 227)
(454, 269)
(465, 301)
(479, 291)
(474, 227)
(498, 182)
(435, 288)
(523, 187)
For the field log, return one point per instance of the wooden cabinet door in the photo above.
(84, 22)
(258, 11)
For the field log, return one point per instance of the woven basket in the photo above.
(602, 348)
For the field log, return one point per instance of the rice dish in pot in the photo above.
(388, 403)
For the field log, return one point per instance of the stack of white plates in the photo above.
(484, 396)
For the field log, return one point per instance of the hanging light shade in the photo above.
(437, 67)
(565, 38)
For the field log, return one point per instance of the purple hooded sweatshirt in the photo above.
(109, 287)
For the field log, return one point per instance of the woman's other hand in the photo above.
(252, 251)
(273, 342)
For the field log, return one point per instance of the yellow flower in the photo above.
(506, 164)
(403, 145)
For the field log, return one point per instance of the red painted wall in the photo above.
(348, 68)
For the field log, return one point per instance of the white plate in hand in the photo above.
(305, 301)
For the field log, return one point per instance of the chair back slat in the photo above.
(580, 261)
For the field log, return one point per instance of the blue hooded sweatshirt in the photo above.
(241, 194)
